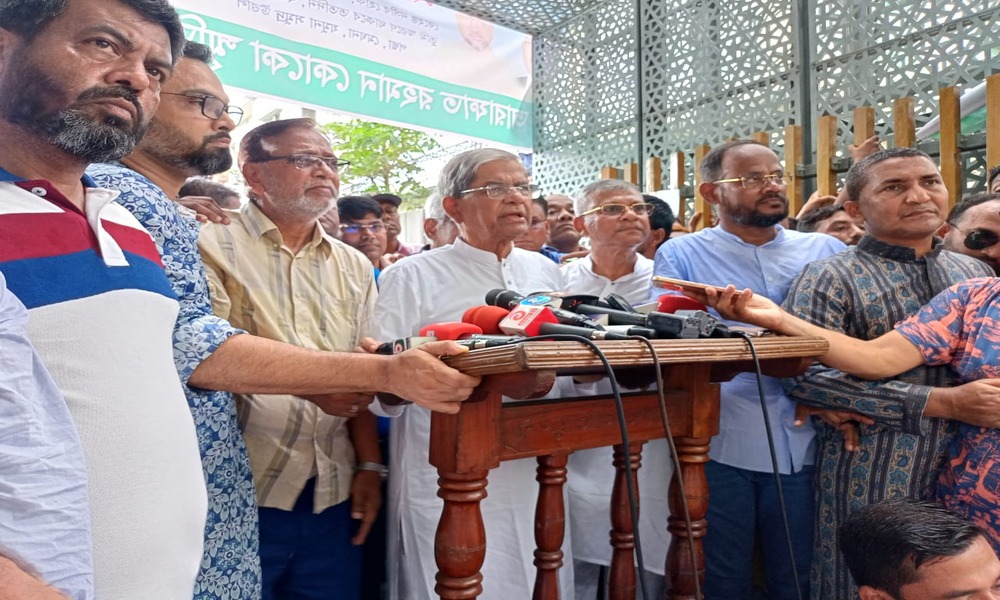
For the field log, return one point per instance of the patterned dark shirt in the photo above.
(863, 293)
(959, 328)
(230, 566)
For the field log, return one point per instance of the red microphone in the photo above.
(670, 303)
(526, 320)
(450, 331)
(486, 318)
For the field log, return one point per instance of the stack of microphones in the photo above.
(508, 317)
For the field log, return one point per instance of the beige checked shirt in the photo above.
(321, 298)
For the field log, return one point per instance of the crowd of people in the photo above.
(191, 405)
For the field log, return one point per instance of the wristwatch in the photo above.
(382, 470)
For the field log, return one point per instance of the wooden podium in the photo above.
(465, 446)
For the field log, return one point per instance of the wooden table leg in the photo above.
(693, 454)
(460, 541)
(550, 526)
(622, 578)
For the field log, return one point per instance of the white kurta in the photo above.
(591, 474)
(434, 287)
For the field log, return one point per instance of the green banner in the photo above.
(260, 62)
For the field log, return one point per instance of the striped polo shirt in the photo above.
(101, 315)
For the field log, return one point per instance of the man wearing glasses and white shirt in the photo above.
(744, 181)
(487, 193)
(614, 216)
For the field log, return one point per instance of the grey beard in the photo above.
(75, 134)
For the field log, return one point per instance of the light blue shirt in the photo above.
(44, 514)
(717, 257)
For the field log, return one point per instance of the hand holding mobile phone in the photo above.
(682, 285)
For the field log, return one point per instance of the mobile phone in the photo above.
(673, 284)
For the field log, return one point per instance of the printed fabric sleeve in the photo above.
(822, 298)
(938, 330)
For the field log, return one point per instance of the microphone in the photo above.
(510, 299)
(533, 321)
(682, 306)
(403, 344)
(450, 331)
(477, 341)
(486, 318)
(666, 325)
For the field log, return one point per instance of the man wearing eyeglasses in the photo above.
(275, 272)
(361, 228)
(189, 135)
(973, 228)
(896, 267)
(614, 215)
(488, 194)
(745, 183)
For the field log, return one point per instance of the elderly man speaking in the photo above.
(487, 193)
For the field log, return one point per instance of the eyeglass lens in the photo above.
(214, 108)
(980, 239)
(615, 210)
(353, 228)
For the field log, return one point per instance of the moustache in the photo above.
(96, 93)
(222, 135)
(771, 197)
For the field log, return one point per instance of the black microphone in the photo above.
(666, 325)
(510, 299)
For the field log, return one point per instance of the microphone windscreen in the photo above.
(486, 318)
(670, 303)
(450, 331)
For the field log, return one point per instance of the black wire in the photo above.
(665, 419)
(774, 459)
(629, 479)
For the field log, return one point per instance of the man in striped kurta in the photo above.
(863, 292)
(275, 273)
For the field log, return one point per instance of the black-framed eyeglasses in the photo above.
(755, 182)
(979, 239)
(305, 162)
(641, 209)
(213, 107)
(354, 228)
(499, 192)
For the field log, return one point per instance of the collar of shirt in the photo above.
(779, 236)
(892, 252)
(482, 256)
(259, 225)
(5, 175)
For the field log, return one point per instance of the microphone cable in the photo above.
(774, 459)
(629, 476)
(665, 420)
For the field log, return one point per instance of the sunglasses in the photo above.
(979, 239)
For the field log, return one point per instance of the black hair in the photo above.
(711, 165)
(197, 51)
(809, 221)
(542, 202)
(206, 187)
(956, 212)
(355, 208)
(28, 18)
(886, 543)
(662, 216)
(857, 176)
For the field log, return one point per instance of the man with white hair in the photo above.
(614, 215)
(438, 226)
(488, 194)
